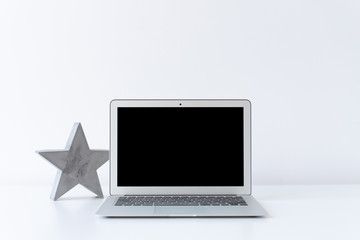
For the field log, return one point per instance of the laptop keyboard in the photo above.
(180, 201)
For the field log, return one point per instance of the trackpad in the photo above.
(188, 211)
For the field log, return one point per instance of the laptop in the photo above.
(180, 158)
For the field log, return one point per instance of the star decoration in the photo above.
(76, 164)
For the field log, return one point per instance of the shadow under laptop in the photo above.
(182, 227)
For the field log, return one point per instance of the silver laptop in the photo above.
(180, 158)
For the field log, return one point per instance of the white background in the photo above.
(297, 61)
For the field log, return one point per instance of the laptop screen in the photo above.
(182, 146)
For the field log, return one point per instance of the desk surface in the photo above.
(295, 212)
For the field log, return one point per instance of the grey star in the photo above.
(77, 164)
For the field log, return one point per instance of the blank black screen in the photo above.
(180, 146)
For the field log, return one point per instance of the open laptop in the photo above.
(180, 158)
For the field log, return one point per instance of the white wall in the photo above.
(62, 61)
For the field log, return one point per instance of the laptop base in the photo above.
(253, 209)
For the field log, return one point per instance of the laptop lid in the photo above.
(180, 147)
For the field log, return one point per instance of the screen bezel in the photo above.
(243, 190)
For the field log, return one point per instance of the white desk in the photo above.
(296, 212)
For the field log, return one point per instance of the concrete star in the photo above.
(77, 164)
